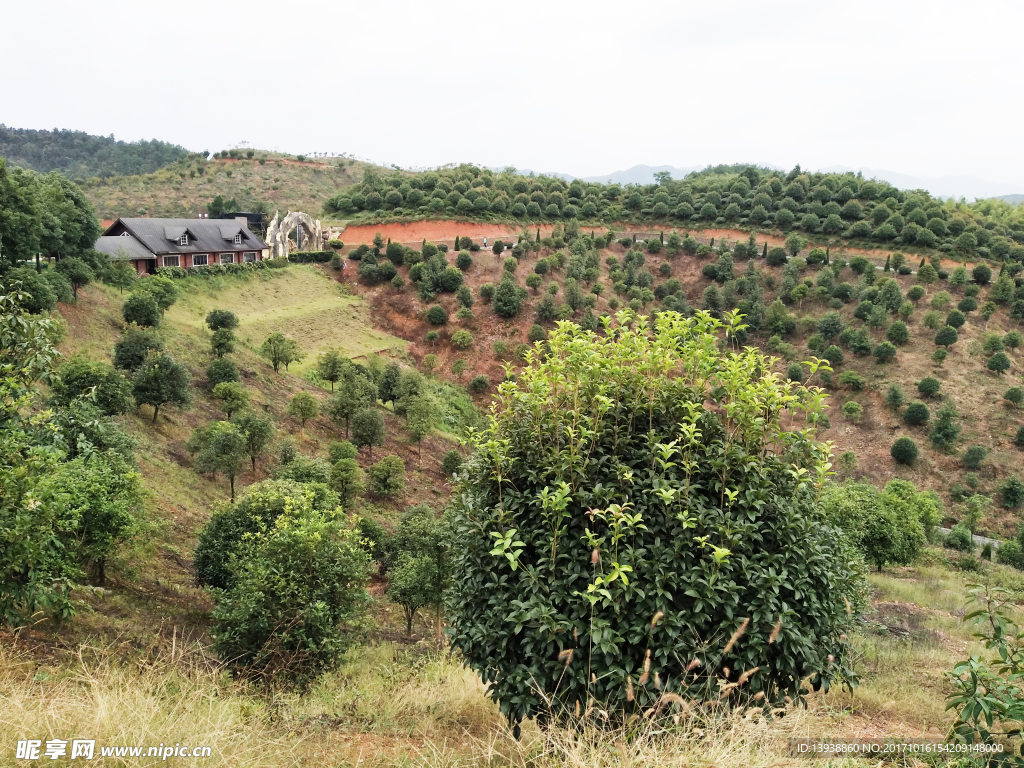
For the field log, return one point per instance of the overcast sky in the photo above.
(927, 88)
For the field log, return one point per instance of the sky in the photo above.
(924, 88)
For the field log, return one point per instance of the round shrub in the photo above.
(795, 372)
(947, 336)
(141, 308)
(834, 355)
(437, 315)
(973, 457)
(916, 414)
(955, 318)
(1012, 493)
(387, 476)
(999, 363)
(431, 337)
(959, 538)
(221, 318)
(884, 352)
(463, 261)
(479, 384)
(462, 339)
(853, 410)
(451, 462)
(486, 292)
(225, 532)
(297, 588)
(939, 356)
(1011, 553)
(929, 386)
(897, 333)
(343, 449)
(1018, 439)
(529, 554)
(1014, 396)
(904, 451)
(536, 333)
(221, 370)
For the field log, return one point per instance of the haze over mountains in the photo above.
(970, 187)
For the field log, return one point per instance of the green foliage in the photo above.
(451, 462)
(960, 538)
(973, 457)
(1012, 493)
(162, 289)
(898, 333)
(904, 450)
(852, 380)
(1014, 396)
(304, 407)
(462, 339)
(280, 350)
(131, 349)
(420, 571)
(298, 585)
(159, 381)
(479, 384)
(346, 479)
(218, 448)
(916, 414)
(96, 382)
(368, 429)
(220, 371)
(574, 507)
(221, 318)
(947, 336)
(887, 527)
(894, 397)
(945, 431)
(853, 410)
(222, 342)
(387, 476)
(233, 397)
(999, 363)
(795, 372)
(884, 352)
(141, 309)
(508, 298)
(437, 315)
(929, 386)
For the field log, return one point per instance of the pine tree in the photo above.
(662, 238)
(887, 268)
(764, 252)
(826, 255)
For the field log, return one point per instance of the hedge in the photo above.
(308, 257)
(209, 270)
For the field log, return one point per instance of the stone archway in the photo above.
(308, 237)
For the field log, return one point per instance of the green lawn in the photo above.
(300, 302)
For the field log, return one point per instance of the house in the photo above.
(187, 243)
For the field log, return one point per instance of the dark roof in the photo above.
(205, 235)
(123, 248)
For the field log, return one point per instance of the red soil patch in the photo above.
(415, 232)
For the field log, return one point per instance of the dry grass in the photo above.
(383, 707)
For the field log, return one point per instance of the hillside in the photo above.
(827, 208)
(80, 155)
(263, 181)
(984, 418)
(141, 645)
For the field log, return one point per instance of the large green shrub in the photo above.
(387, 476)
(221, 537)
(97, 382)
(141, 309)
(609, 525)
(299, 589)
(887, 527)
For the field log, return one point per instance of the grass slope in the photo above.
(182, 188)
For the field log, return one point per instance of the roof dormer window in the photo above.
(238, 239)
(183, 240)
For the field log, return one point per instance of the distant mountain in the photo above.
(641, 174)
(80, 155)
(970, 187)
(1012, 199)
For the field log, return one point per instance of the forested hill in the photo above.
(80, 155)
